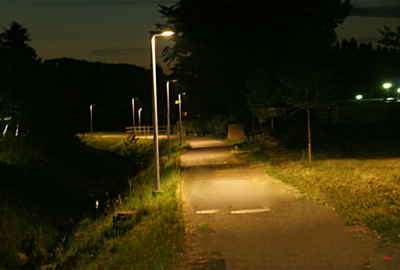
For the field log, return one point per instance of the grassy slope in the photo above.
(149, 239)
(45, 192)
(362, 182)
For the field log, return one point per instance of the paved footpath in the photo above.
(240, 218)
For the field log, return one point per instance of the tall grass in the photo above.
(362, 182)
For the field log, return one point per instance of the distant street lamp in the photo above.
(139, 117)
(91, 120)
(387, 86)
(155, 117)
(398, 90)
(180, 117)
(133, 114)
(359, 97)
(168, 120)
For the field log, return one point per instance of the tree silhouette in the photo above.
(390, 38)
(14, 43)
(306, 75)
(17, 64)
(219, 44)
(261, 94)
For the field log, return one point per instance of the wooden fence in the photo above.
(257, 135)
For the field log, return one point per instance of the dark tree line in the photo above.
(18, 69)
(246, 58)
(109, 87)
(273, 53)
(362, 69)
(51, 99)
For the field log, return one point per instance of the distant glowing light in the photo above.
(359, 97)
(387, 85)
(398, 90)
(390, 98)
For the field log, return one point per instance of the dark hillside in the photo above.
(110, 87)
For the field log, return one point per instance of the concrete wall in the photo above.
(235, 132)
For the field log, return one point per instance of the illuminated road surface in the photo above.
(254, 221)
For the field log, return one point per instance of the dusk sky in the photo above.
(118, 31)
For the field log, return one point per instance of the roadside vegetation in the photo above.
(148, 232)
(48, 205)
(360, 181)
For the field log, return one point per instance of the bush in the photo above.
(217, 127)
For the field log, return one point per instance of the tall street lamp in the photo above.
(91, 121)
(155, 117)
(133, 114)
(180, 117)
(139, 117)
(168, 120)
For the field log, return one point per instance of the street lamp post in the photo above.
(139, 117)
(168, 120)
(180, 117)
(155, 117)
(133, 114)
(91, 121)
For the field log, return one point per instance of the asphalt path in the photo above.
(238, 217)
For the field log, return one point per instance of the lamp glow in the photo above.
(167, 33)
(387, 85)
(359, 97)
(398, 90)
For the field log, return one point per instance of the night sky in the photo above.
(117, 31)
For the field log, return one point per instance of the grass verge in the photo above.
(361, 182)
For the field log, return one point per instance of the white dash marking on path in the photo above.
(205, 212)
(250, 211)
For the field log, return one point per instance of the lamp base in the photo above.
(158, 192)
